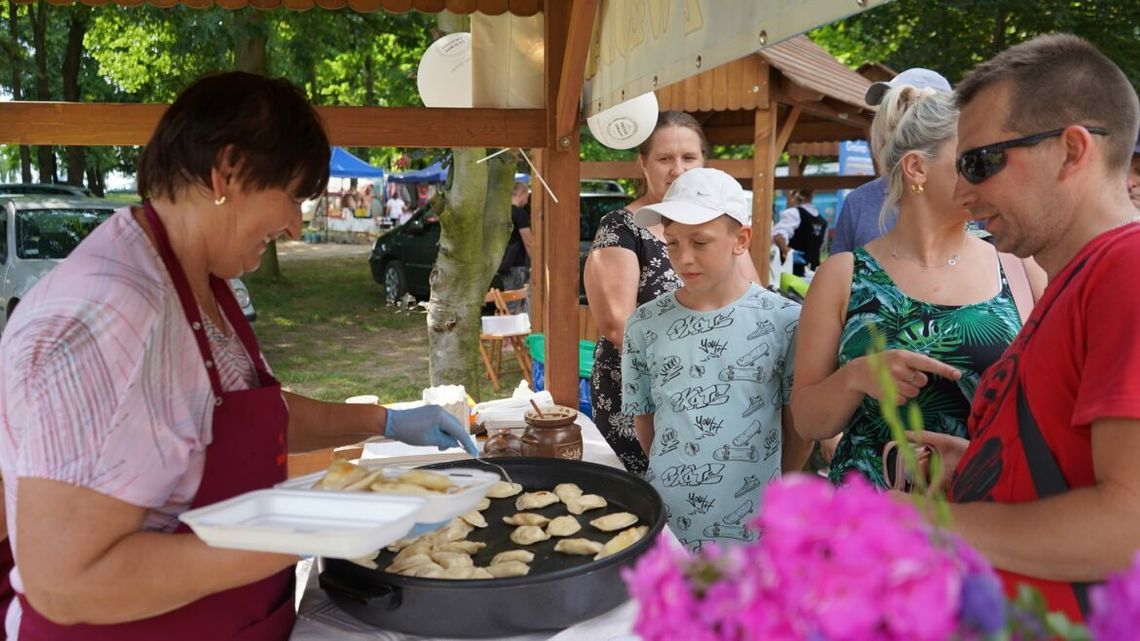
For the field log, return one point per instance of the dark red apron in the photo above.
(6, 591)
(247, 453)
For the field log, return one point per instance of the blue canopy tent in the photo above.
(435, 173)
(345, 165)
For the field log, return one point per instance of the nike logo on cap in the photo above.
(701, 193)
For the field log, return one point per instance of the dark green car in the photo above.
(402, 259)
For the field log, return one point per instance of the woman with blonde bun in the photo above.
(943, 300)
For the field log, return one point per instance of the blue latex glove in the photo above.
(428, 425)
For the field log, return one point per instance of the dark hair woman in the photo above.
(133, 389)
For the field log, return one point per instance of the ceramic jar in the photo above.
(553, 434)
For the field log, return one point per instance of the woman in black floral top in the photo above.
(628, 266)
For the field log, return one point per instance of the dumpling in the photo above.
(418, 547)
(465, 547)
(502, 490)
(578, 546)
(563, 526)
(580, 504)
(456, 530)
(483, 504)
(340, 475)
(429, 480)
(474, 517)
(536, 500)
(526, 518)
(615, 521)
(622, 541)
(412, 561)
(509, 568)
(389, 487)
(452, 560)
(464, 572)
(367, 561)
(566, 491)
(365, 482)
(426, 571)
(524, 556)
(482, 573)
(529, 534)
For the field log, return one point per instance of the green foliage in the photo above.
(952, 37)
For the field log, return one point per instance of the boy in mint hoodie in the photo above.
(708, 368)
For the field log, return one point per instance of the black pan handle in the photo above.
(389, 596)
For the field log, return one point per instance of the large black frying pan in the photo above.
(560, 590)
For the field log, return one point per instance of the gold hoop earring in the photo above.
(917, 189)
(219, 201)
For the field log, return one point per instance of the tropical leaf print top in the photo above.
(969, 337)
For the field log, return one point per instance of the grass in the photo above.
(327, 334)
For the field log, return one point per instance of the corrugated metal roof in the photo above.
(490, 7)
(812, 67)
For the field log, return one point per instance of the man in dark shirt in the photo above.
(515, 268)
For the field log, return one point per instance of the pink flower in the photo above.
(1116, 606)
(847, 564)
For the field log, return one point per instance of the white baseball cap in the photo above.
(915, 77)
(698, 196)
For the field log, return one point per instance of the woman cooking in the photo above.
(133, 389)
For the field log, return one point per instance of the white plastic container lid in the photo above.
(340, 525)
(473, 484)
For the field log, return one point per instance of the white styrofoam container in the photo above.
(341, 525)
(474, 483)
(508, 324)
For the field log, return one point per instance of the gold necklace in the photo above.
(953, 261)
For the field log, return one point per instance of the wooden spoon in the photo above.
(536, 410)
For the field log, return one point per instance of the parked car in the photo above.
(402, 259)
(37, 233)
(42, 189)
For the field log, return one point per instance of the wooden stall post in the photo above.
(763, 173)
(568, 29)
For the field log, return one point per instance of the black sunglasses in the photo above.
(980, 163)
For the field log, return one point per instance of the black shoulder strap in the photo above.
(1048, 479)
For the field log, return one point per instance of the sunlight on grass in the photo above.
(327, 334)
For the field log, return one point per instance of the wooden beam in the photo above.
(95, 124)
(538, 247)
(738, 169)
(763, 187)
(856, 118)
(825, 132)
(786, 130)
(813, 149)
(821, 183)
(574, 66)
(560, 224)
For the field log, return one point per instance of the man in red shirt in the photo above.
(1049, 488)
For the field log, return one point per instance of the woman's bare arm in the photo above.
(84, 559)
(611, 280)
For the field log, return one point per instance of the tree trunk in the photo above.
(39, 17)
(369, 80)
(17, 89)
(475, 226)
(251, 54)
(72, 63)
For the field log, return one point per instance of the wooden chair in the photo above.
(491, 345)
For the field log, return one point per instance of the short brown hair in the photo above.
(1061, 80)
(276, 136)
(675, 119)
